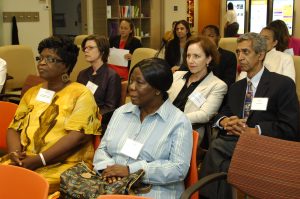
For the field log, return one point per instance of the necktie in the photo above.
(248, 100)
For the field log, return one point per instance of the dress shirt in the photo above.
(165, 157)
(278, 62)
(3, 71)
(231, 16)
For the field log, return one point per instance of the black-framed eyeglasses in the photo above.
(48, 60)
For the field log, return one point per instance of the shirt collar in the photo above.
(162, 111)
(256, 78)
(187, 75)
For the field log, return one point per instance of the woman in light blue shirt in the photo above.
(149, 133)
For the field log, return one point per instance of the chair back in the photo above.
(297, 70)
(79, 38)
(192, 177)
(18, 182)
(228, 43)
(141, 53)
(15, 96)
(31, 80)
(266, 167)
(20, 63)
(124, 85)
(7, 112)
(121, 197)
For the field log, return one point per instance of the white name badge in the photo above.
(197, 99)
(45, 95)
(93, 87)
(259, 103)
(131, 148)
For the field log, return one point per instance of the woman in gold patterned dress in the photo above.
(54, 124)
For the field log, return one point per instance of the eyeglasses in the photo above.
(89, 48)
(48, 60)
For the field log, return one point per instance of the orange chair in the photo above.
(96, 141)
(124, 85)
(192, 177)
(7, 112)
(17, 182)
(121, 197)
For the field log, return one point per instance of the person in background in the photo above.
(282, 35)
(226, 69)
(3, 71)
(161, 133)
(231, 27)
(276, 115)
(166, 38)
(275, 61)
(54, 124)
(198, 92)
(175, 47)
(103, 81)
(169, 34)
(125, 40)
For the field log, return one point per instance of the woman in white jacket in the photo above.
(198, 92)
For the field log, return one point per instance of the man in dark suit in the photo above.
(226, 69)
(274, 111)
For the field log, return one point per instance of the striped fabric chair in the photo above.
(261, 167)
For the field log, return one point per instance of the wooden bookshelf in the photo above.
(107, 15)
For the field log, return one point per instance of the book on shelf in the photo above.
(108, 11)
(136, 11)
(129, 11)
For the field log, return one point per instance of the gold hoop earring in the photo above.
(157, 93)
(65, 78)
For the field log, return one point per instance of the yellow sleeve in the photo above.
(85, 115)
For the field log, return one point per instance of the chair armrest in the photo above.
(8, 97)
(201, 183)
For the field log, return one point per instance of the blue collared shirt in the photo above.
(165, 157)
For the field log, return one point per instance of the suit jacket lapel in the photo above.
(239, 99)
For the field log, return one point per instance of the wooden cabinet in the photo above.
(107, 15)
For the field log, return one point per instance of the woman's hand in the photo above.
(127, 56)
(32, 162)
(16, 158)
(175, 68)
(114, 172)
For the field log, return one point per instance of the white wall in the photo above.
(70, 9)
(170, 15)
(30, 33)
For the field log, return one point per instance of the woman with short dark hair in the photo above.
(55, 120)
(161, 134)
(103, 81)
